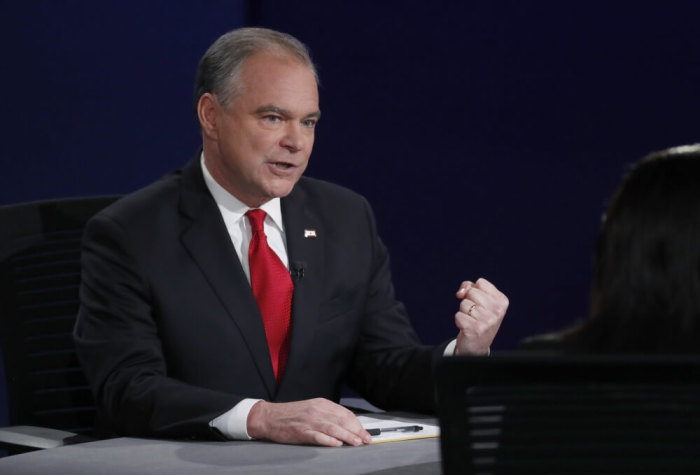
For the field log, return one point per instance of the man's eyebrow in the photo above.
(284, 112)
(314, 115)
(271, 108)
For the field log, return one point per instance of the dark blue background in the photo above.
(487, 135)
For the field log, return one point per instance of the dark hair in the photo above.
(218, 69)
(646, 290)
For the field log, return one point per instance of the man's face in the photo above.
(260, 143)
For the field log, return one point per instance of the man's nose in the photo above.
(294, 138)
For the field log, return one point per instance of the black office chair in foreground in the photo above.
(528, 413)
(49, 401)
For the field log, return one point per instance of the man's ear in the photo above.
(207, 112)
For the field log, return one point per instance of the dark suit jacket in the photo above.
(170, 335)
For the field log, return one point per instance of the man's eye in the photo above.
(310, 123)
(272, 118)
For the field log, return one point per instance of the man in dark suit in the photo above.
(170, 334)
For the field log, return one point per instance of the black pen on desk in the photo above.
(395, 429)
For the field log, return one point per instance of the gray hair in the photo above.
(220, 66)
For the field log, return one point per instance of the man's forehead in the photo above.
(279, 84)
(267, 62)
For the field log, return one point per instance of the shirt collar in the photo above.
(233, 205)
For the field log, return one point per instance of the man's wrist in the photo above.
(451, 348)
(233, 424)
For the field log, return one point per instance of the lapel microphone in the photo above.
(298, 270)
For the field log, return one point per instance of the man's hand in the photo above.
(480, 314)
(312, 421)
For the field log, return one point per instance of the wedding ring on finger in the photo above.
(469, 312)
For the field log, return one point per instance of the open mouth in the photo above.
(282, 168)
(282, 165)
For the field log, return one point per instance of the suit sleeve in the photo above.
(118, 345)
(391, 367)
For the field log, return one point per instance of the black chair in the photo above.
(530, 413)
(49, 402)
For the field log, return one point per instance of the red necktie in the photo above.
(272, 287)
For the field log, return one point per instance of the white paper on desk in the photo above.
(385, 420)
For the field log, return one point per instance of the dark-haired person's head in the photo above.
(646, 293)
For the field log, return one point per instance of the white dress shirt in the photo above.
(233, 423)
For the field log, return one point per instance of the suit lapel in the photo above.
(205, 237)
(305, 246)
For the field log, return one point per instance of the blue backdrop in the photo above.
(487, 135)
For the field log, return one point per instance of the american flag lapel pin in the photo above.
(309, 233)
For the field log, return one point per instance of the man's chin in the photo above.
(281, 188)
(278, 192)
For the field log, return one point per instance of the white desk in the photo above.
(124, 456)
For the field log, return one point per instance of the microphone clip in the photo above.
(298, 270)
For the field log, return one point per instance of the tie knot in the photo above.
(256, 218)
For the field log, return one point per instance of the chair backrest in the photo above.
(525, 413)
(39, 284)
